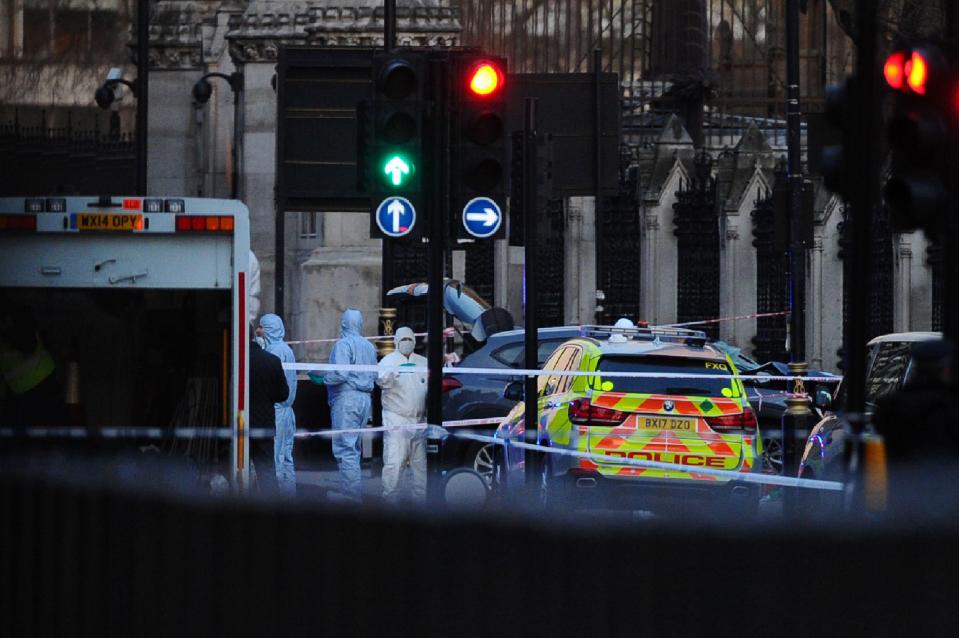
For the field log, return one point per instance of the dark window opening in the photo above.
(671, 381)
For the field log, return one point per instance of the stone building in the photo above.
(687, 238)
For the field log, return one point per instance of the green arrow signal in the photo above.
(396, 168)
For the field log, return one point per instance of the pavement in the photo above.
(319, 480)
(319, 483)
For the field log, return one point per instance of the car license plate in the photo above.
(122, 222)
(679, 424)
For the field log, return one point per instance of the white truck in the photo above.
(142, 302)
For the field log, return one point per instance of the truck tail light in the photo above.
(744, 422)
(205, 223)
(18, 222)
(582, 412)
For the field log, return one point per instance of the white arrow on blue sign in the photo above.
(395, 216)
(482, 217)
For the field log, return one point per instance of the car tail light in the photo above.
(451, 383)
(582, 412)
(744, 422)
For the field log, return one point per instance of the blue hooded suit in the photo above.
(350, 397)
(273, 334)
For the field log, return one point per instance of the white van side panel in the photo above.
(201, 261)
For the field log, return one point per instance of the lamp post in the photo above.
(798, 418)
(104, 97)
(141, 90)
(202, 91)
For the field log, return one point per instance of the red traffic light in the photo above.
(485, 79)
(917, 72)
(894, 70)
(922, 70)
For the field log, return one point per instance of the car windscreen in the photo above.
(888, 365)
(741, 361)
(670, 377)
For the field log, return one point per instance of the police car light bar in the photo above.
(677, 335)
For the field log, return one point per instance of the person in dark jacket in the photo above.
(267, 388)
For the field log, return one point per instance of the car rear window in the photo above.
(667, 384)
(513, 354)
(887, 369)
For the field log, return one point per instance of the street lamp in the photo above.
(202, 91)
(105, 96)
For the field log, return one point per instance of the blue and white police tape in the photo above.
(522, 372)
(134, 432)
(257, 433)
(129, 432)
(462, 423)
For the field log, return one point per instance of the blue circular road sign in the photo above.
(395, 216)
(482, 217)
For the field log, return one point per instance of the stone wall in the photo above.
(190, 153)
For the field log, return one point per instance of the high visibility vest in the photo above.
(22, 372)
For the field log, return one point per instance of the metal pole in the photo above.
(597, 166)
(389, 43)
(436, 210)
(865, 185)
(143, 91)
(389, 25)
(236, 83)
(530, 268)
(863, 192)
(797, 264)
(797, 420)
(950, 241)
(279, 247)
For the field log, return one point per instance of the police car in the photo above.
(684, 410)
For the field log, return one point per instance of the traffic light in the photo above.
(833, 161)
(922, 81)
(478, 144)
(391, 144)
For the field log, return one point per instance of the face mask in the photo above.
(406, 347)
(261, 342)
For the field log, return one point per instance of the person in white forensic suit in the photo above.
(404, 403)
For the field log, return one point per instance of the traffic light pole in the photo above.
(530, 267)
(950, 241)
(389, 43)
(389, 25)
(143, 91)
(863, 188)
(437, 199)
(797, 420)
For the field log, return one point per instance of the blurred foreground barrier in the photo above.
(99, 557)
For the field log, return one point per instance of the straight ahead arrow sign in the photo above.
(396, 210)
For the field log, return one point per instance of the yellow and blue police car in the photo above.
(647, 400)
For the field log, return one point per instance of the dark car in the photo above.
(478, 396)
(768, 398)
(889, 365)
